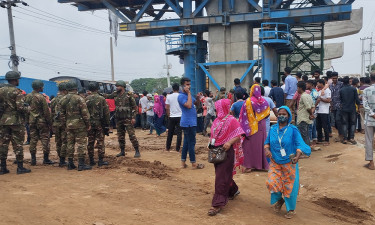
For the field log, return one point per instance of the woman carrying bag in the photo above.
(226, 133)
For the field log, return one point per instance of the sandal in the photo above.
(214, 211)
(353, 142)
(247, 170)
(235, 195)
(199, 166)
(290, 214)
(338, 139)
(344, 142)
(184, 166)
(326, 144)
(278, 205)
(369, 167)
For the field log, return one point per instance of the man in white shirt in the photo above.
(322, 109)
(174, 112)
(150, 113)
(144, 103)
(267, 88)
(209, 103)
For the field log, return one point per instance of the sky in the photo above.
(56, 39)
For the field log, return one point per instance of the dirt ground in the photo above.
(335, 189)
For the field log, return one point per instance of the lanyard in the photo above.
(278, 136)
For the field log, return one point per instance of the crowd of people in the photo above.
(238, 121)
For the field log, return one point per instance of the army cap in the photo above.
(71, 85)
(36, 84)
(121, 83)
(93, 86)
(62, 86)
(12, 75)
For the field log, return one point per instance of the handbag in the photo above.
(216, 154)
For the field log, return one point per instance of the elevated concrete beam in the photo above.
(335, 29)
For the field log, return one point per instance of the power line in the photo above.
(64, 24)
(57, 18)
(76, 63)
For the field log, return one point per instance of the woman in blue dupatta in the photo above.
(284, 146)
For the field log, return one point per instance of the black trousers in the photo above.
(348, 124)
(174, 128)
(322, 124)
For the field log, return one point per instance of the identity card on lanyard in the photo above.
(282, 150)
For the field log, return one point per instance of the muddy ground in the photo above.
(335, 189)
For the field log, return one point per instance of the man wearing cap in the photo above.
(12, 123)
(76, 118)
(126, 110)
(40, 122)
(58, 128)
(99, 118)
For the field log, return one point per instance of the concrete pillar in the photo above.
(230, 43)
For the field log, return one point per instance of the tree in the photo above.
(152, 85)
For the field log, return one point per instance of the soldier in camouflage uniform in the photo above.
(99, 118)
(40, 123)
(58, 128)
(12, 122)
(76, 118)
(126, 109)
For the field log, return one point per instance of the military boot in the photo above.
(137, 153)
(122, 153)
(71, 165)
(33, 159)
(62, 162)
(21, 169)
(101, 162)
(92, 161)
(3, 167)
(82, 166)
(46, 159)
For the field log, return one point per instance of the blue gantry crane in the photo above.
(184, 22)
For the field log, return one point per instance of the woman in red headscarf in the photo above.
(227, 132)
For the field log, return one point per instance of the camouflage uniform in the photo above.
(126, 109)
(12, 123)
(58, 128)
(99, 119)
(40, 122)
(75, 116)
(12, 128)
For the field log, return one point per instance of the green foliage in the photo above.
(152, 85)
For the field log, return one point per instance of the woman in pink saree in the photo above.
(227, 132)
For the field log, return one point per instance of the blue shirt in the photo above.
(290, 142)
(290, 139)
(189, 116)
(277, 94)
(236, 108)
(239, 89)
(290, 86)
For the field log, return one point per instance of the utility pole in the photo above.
(112, 66)
(371, 44)
(364, 53)
(13, 57)
(167, 66)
